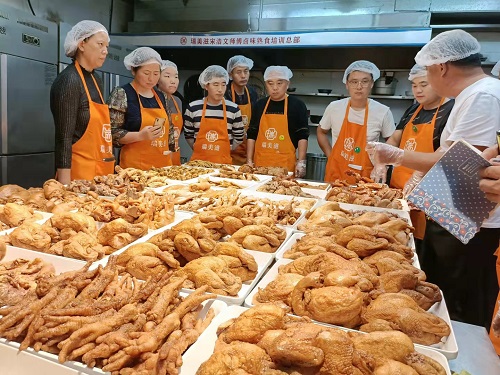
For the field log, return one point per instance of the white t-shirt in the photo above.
(380, 119)
(475, 118)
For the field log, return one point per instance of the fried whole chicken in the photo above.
(335, 299)
(264, 340)
(397, 311)
(212, 271)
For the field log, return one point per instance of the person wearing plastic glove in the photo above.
(352, 122)
(213, 126)
(279, 126)
(239, 92)
(83, 147)
(168, 84)
(139, 120)
(465, 273)
(490, 184)
(419, 129)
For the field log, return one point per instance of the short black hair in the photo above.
(471, 61)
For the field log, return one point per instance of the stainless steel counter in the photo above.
(475, 351)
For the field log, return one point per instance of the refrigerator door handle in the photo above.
(3, 103)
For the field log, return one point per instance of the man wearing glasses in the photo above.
(354, 121)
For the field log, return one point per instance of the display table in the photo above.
(475, 351)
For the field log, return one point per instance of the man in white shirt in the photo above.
(465, 273)
(353, 121)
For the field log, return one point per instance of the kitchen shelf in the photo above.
(399, 97)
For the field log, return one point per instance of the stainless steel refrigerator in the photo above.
(28, 66)
(113, 73)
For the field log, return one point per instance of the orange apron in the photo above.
(348, 152)
(415, 138)
(149, 153)
(496, 340)
(92, 154)
(212, 142)
(273, 147)
(178, 122)
(240, 154)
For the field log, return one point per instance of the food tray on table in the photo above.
(316, 188)
(295, 236)
(305, 202)
(449, 348)
(263, 261)
(30, 361)
(203, 348)
(60, 263)
(355, 207)
(179, 216)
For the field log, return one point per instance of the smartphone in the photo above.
(159, 121)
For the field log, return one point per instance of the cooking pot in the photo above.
(385, 86)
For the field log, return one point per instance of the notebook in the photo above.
(449, 193)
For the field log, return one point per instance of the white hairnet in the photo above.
(141, 56)
(83, 29)
(168, 64)
(212, 72)
(496, 70)
(417, 71)
(239, 60)
(362, 66)
(277, 72)
(450, 45)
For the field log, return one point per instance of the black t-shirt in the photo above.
(298, 127)
(425, 116)
(241, 99)
(133, 115)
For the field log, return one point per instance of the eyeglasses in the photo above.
(355, 83)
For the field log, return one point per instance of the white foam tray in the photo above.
(13, 362)
(203, 348)
(448, 348)
(263, 261)
(295, 236)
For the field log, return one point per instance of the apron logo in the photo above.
(106, 132)
(411, 144)
(212, 136)
(349, 144)
(271, 134)
(244, 119)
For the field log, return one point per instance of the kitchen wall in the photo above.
(114, 14)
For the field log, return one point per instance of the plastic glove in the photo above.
(379, 174)
(250, 162)
(384, 154)
(412, 182)
(300, 169)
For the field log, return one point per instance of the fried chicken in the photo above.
(120, 233)
(328, 262)
(400, 312)
(238, 358)
(13, 215)
(314, 297)
(278, 290)
(213, 272)
(31, 236)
